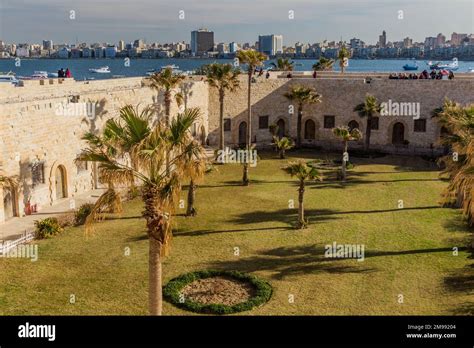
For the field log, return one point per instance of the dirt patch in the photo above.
(218, 290)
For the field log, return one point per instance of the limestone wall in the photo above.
(339, 97)
(32, 132)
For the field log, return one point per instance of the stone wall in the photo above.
(339, 97)
(32, 134)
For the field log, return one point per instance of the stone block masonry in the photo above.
(39, 145)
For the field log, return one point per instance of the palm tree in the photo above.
(166, 81)
(303, 96)
(302, 171)
(346, 135)
(283, 64)
(369, 108)
(224, 77)
(342, 56)
(252, 59)
(283, 144)
(161, 187)
(324, 64)
(117, 141)
(458, 121)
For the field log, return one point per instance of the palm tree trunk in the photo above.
(368, 130)
(191, 197)
(157, 234)
(344, 163)
(282, 153)
(155, 296)
(245, 176)
(298, 126)
(221, 102)
(301, 221)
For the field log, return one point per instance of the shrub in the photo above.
(82, 213)
(66, 219)
(172, 292)
(47, 228)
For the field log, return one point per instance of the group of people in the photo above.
(64, 73)
(433, 75)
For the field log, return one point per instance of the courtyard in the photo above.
(409, 268)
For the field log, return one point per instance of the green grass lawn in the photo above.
(407, 251)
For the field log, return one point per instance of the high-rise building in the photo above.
(47, 44)
(233, 47)
(202, 41)
(383, 39)
(138, 43)
(440, 40)
(456, 38)
(271, 45)
(407, 42)
(121, 45)
(356, 43)
(222, 47)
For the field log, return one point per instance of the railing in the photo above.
(6, 246)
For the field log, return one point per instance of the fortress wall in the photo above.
(339, 97)
(32, 132)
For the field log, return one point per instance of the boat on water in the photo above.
(9, 78)
(410, 66)
(101, 70)
(37, 75)
(174, 69)
(439, 66)
(470, 70)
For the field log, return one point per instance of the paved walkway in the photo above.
(13, 229)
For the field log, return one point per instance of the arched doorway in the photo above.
(243, 133)
(353, 125)
(60, 177)
(281, 128)
(9, 203)
(398, 133)
(310, 130)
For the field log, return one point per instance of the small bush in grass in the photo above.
(66, 219)
(47, 228)
(172, 292)
(82, 213)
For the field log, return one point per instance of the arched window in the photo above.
(353, 125)
(309, 129)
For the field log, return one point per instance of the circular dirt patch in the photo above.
(218, 292)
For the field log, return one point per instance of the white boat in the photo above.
(451, 66)
(37, 75)
(101, 70)
(9, 78)
(174, 69)
(470, 70)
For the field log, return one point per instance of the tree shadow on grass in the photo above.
(179, 233)
(308, 259)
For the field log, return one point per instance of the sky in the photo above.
(240, 21)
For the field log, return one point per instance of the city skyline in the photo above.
(49, 19)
